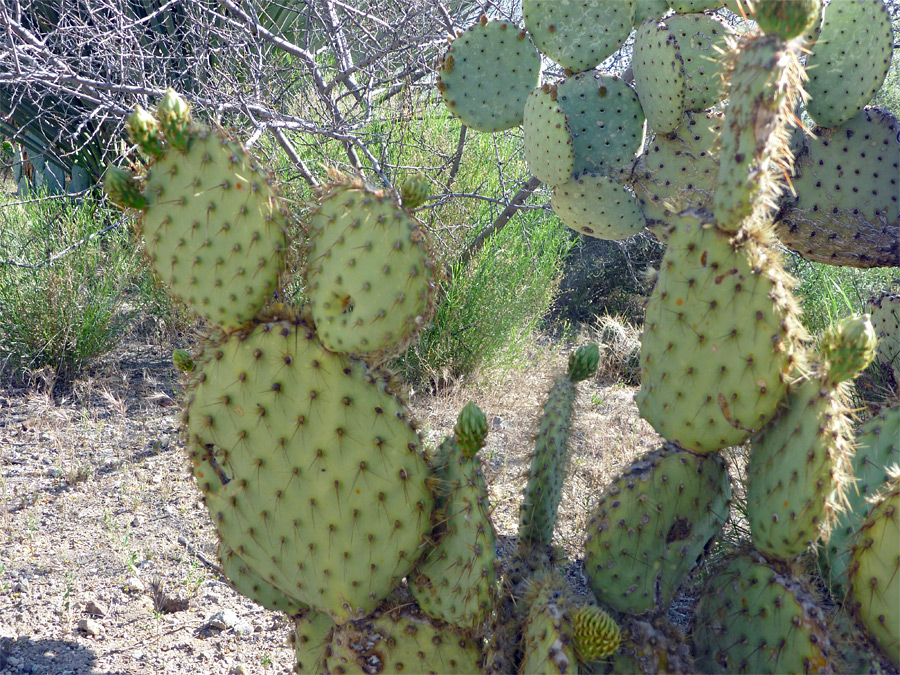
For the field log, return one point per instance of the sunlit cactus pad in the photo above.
(719, 337)
(875, 571)
(849, 61)
(702, 45)
(753, 618)
(647, 10)
(213, 227)
(598, 207)
(547, 643)
(848, 191)
(309, 466)
(370, 280)
(401, 640)
(311, 634)
(487, 73)
(606, 121)
(246, 582)
(578, 35)
(689, 6)
(548, 143)
(680, 169)
(659, 76)
(651, 524)
(885, 311)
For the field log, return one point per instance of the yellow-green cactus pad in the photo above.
(720, 336)
(370, 280)
(649, 10)
(659, 77)
(680, 170)
(690, 6)
(578, 35)
(309, 466)
(487, 73)
(799, 469)
(549, 146)
(605, 119)
(847, 209)
(754, 618)
(311, 634)
(248, 583)
(400, 641)
(214, 228)
(849, 61)
(651, 524)
(547, 644)
(885, 312)
(702, 44)
(598, 207)
(875, 571)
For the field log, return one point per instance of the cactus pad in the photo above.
(312, 632)
(753, 618)
(246, 582)
(875, 571)
(702, 44)
(786, 18)
(578, 35)
(847, 210)
(649, 10)
(650, 526)
(547, 643)
(719, 337)
(848, 347)
(309, 466)
(370, 277)
(849, 61)
(400, 641)
(885, 311)
(486, 75)
(549, 147)
(598, 207)
(605, 119)
(798, 470)
(659, 77)
(213, 228)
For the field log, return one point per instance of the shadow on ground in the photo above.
(48, 657)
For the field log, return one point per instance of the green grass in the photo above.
(827, 293)
(61, 302)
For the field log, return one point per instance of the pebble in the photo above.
(222, 620)
(243, 628)
(137, 521)
(134, 585)
(90, 627)
(21, 586)
(96, 608)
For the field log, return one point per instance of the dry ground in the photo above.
(107, 556)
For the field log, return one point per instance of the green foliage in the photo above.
(64, 271)
(828, 293)
(490, 307)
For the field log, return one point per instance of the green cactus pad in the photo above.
(649, 10)
(400, 641)
(702, 45)
(848, 347)
(310, 467)
(847, 208)
(549, 147)
(875, 571)
(246, 582)
(471, 429)
(144, 131)
(753, 618)
(456, 579)
(214, 228)
(543, 492)
(486, 75)
(659, 77)
(720, 335)
(680, 170)
(690, 6)
(124, 189)
(877, 450)
(650, 526)
(578, 35)
(799, 470)
(370, 279)
(311, 634)
(583, 362)
(598, 207)
(606, 121)
(764, 84)
(594, 633)
(849, 61)
(885, 313)
(547, 643)
(786, 18)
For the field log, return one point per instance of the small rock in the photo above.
(96, 608)
(137, 655)
(146, 604)
(21, 586)
(137, 521)
(237, 670)
(243, 628)
(134, 585)
(212, 598)
(222, 620)
(90, 627)
(182, 541)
